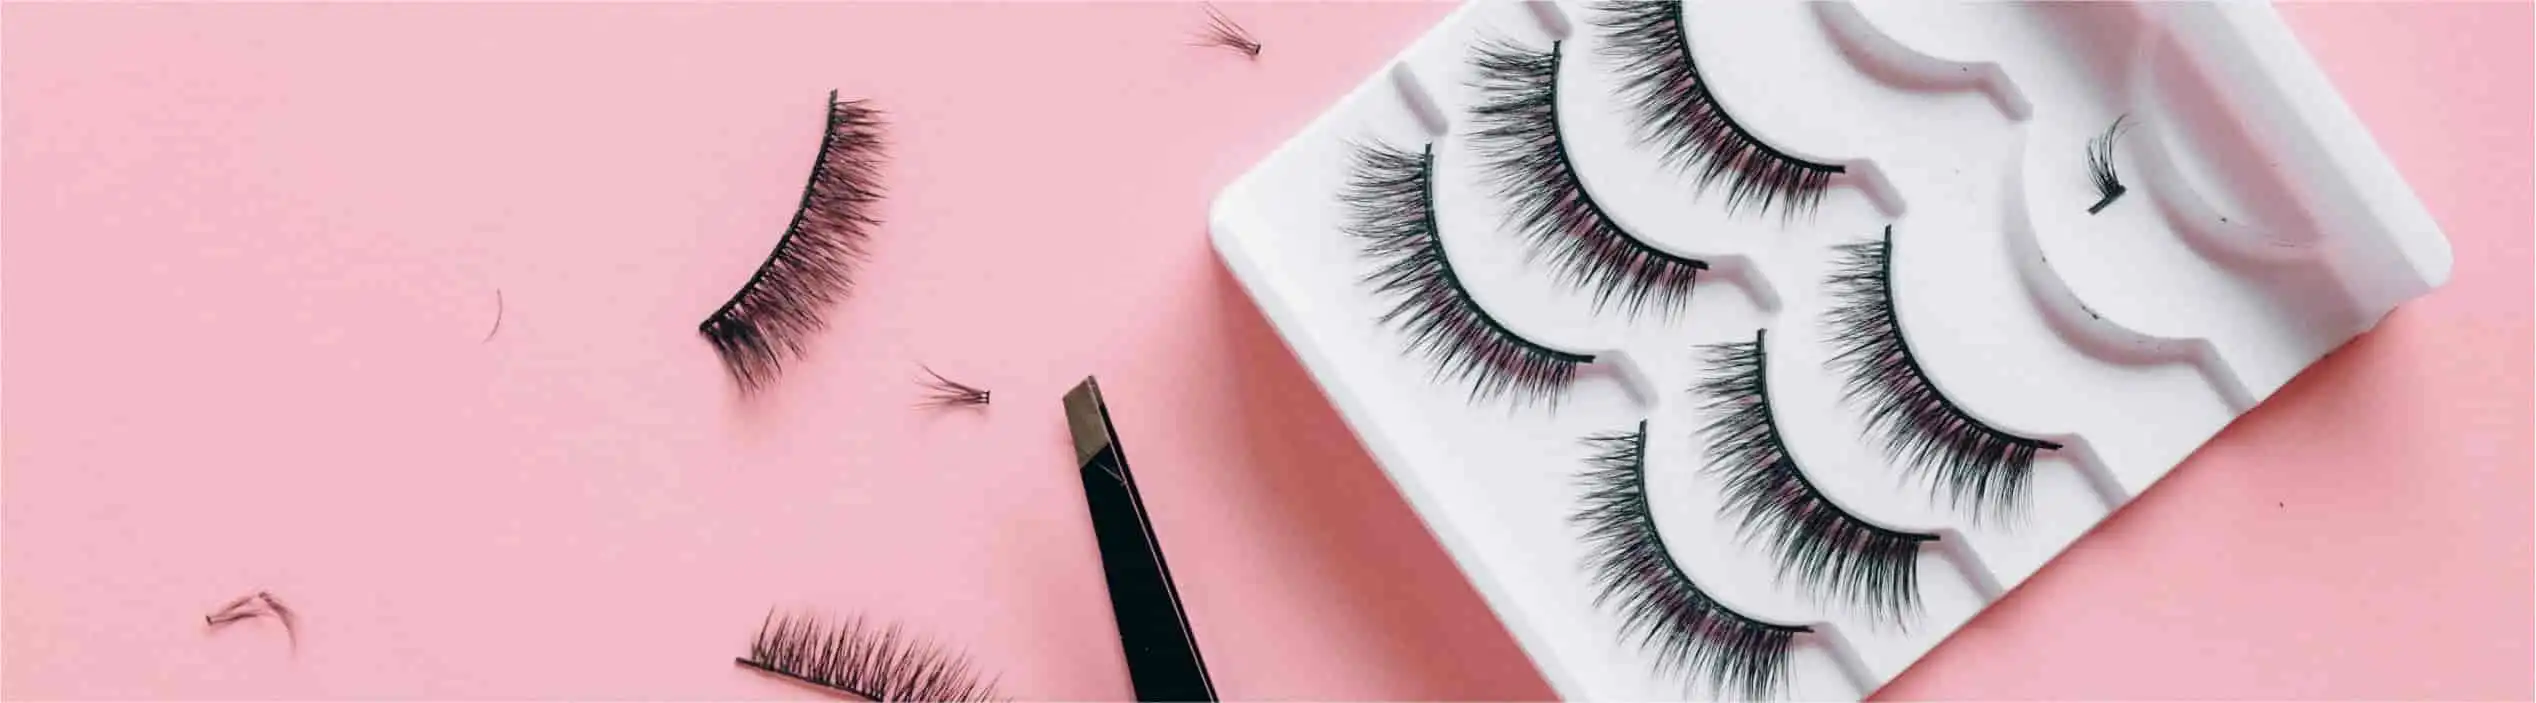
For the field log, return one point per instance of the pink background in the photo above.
(252, 250)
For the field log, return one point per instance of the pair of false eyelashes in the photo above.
(1833, 555)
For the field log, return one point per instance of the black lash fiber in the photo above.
(857, 659)
(1973, 463)
(1391, 198)
(2100, 166)
(1834, 554)
(1678, 115)
(1528, 161)
(772, 317)
(1659, 605)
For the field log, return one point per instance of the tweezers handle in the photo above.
(1162, 653)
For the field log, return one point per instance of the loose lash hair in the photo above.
(1972, 463)
(1660, 606)
(1834, 554)
(2100, 165)
(858, 659)
(1527, 159)
(1676, 113)
(1224, 32)
(772, 317)
(1391, 199)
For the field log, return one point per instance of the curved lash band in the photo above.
(772, 316)
(1659, 604)
(1678, 115)
(1391, 198)
(1528, 161)
(1973, 463)
(1833, 553)
(858, 659)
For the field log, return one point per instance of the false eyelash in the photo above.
(1835, 554)
(1659, 604)
(1224, 32)
(1528, 161)
(1974, 464)
(1391, 198)
(1676, 112)
(773, 316)
(877, 664)
(2100, 165)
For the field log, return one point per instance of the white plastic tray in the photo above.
(2263, 229)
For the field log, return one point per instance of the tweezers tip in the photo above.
(1087, 418)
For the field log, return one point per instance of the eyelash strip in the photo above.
(1677, 114)
(1528, 161)
(1391, 198)
(875, 664)
(1974, 464)
(1658, 602)
(2100, 165)
(773, 316)
(1835, 554)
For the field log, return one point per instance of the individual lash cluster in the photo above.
(2100, 169)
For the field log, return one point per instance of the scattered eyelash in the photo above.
(2100, 165)
(497, 316)
(234, 611)
(255, 605)
(1391, 198)
(945, 393)
(1224, 32)
(1659, 604)
(773, 316)
(855, 658)
(1527, 159)
(1974, 464)
(1835, 554)
(1677, 113)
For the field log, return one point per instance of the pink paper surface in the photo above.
(252, 254)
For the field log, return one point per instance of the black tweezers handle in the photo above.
(1162, 653)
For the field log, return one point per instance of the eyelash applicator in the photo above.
(1162, 652)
